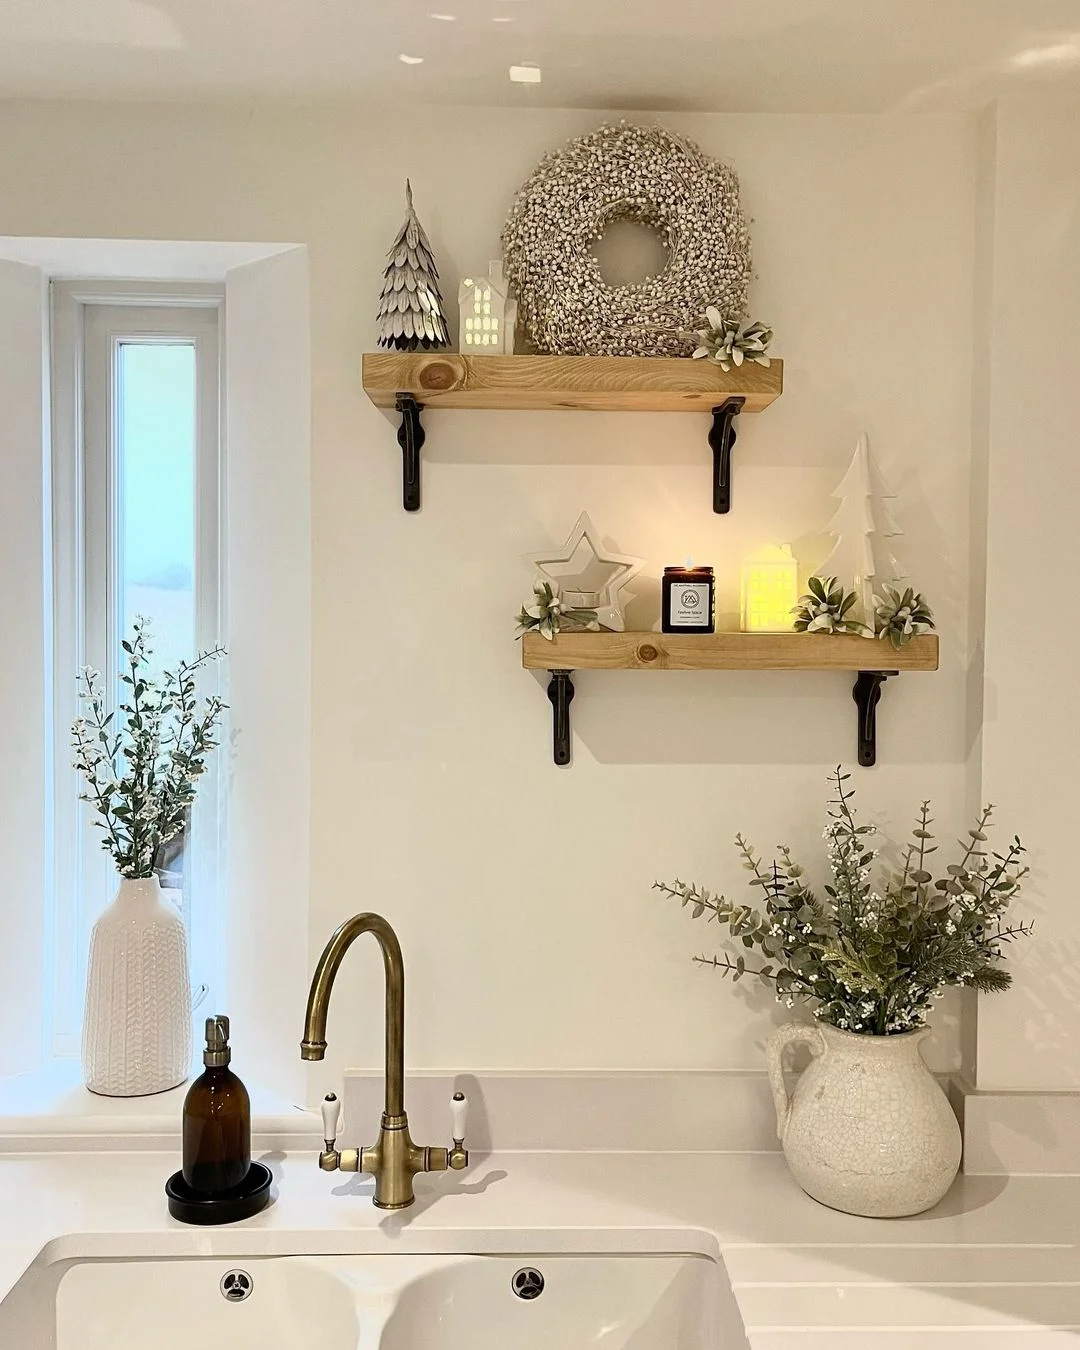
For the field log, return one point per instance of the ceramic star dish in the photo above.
(588, 574)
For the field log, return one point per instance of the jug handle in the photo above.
(792, 1033)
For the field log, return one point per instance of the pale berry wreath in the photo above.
(626, 172)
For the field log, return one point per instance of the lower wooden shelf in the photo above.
(872, 660)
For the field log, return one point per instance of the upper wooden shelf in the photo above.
(590, 383)
(725, 651)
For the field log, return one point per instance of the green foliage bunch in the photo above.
(549, 613)
(826, 608)
(901, 615)
(729, 341)
(870, 956)
(141, 762)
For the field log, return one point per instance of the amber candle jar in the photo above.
(688, 600)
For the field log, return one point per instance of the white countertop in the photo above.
(995, 1265)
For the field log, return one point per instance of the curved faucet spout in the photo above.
(313, 1046)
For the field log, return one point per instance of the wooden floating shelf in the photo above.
(409, 382)
(725, 651)
(581, 383)
(872, 660)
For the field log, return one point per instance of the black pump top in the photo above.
(217, 1053)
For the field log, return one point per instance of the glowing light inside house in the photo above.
(769, 590)
(481, 326)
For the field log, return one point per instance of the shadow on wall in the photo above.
(731, 717)
(502, 438)
(1045, 997)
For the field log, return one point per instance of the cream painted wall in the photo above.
(23, 821)
(1031, 732)
(268, 421)
(520, 891)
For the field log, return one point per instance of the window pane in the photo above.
(137, 463)
(156, 453)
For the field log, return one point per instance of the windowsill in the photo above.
(50, 1109)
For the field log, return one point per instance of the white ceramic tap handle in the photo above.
(459, 1115)
(331, 1118)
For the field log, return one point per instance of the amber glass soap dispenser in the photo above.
(217, 1121)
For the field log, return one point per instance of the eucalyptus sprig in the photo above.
(731, 341)
(826, 608)
(141, 760)
(871, 956)
(900, 616)
(549, 613)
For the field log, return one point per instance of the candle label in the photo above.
(690, 605)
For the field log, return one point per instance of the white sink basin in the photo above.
(377, 1303)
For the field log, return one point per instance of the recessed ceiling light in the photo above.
(445, 18)
(502, 18)
(411, 60)
(527, 74)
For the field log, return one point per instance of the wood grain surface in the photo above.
(724, 651)
(589, 383)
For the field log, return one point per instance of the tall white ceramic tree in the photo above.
(861, 557)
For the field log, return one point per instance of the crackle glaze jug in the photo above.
(868, 1130)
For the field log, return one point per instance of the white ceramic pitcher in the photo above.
(867, 1129)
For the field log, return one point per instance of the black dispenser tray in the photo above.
(192, 1207)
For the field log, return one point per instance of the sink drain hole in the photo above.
(236, 1285)
(527, 1283)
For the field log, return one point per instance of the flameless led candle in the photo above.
(770, 590)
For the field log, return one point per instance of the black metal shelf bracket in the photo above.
(722, 438)
(867, 695)
(410, 437)
(560, 691)
(866, 692)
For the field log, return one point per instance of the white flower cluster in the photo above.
(626, 172)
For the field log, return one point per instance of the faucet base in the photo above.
(395, 1160)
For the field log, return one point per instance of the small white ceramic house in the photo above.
(488, 313)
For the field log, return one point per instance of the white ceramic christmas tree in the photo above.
(862, 524)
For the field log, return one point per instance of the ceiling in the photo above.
(700, 55)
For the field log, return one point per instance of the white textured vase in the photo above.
(868, 1130)
(137, 1027)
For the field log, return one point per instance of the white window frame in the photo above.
(89, 321)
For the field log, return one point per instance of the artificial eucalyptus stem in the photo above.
(871, 955)
(141, 778)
